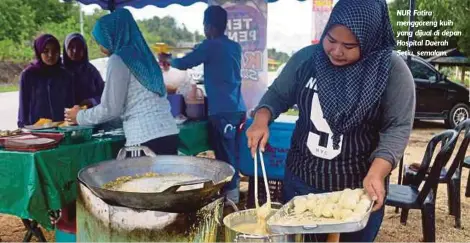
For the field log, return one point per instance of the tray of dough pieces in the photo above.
(334, 212)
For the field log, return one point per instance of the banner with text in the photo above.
(247, 24)
(320, 14)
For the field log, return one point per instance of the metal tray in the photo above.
(315, 227)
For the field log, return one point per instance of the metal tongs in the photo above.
(263, 211)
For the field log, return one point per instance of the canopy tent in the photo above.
(113, 4)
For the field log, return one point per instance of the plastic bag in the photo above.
(175, 77)
(185, 87)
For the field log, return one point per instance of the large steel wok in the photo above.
(215, 173)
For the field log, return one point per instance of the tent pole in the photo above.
(411, 29)
(81, 20)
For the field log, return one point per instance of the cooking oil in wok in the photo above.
(159, 183)
(152, 183)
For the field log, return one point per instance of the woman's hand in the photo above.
(374, 182)
(375, 187)
(258, 132)
(71, 114)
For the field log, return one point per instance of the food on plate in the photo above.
(334, 198)
(349, 198)
(365, 201)
(318, 211)
(151, 183)
(65, 124)
(43, 122)
(7, 133)
(311, 201)
(336, 207)
(30, 141)
(345, 213)
(366, 196)
(328, 209)
(361, 208)
(300, 205)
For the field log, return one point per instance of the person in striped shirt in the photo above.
(356, 100)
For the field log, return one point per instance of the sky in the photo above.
(287, 32)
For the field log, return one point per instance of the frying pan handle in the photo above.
(123, 152)
(174, 188)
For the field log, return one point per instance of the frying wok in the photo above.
(215, 173)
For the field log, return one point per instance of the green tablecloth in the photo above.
(31, 184)
(194, 138)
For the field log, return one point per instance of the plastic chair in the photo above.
(452, 176)
(410, 196)
(466, 164)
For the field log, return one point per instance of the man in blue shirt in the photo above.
(222, 81)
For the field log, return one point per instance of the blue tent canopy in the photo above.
(113, 4)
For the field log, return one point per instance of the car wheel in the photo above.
(459, 113)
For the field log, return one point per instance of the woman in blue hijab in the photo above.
(356, 102)
(134, 89)
(46, 88)
(88, 83)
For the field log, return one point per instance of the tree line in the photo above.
(23, 20)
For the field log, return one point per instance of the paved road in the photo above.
(8, 110)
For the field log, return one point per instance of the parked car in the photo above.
(438, 98)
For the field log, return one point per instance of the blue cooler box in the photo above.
(275, 152)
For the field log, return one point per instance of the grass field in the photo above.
(8, 88)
